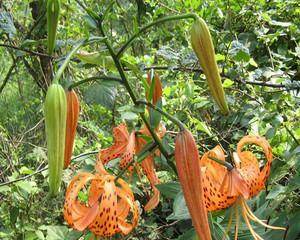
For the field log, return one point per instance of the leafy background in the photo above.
(258, 52)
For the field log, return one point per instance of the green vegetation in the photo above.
(257, 46)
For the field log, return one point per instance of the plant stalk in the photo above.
(158, 21)
(130, 91)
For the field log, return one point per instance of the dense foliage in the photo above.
(258, 53)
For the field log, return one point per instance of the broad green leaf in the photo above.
(239, 52)
(40, 235)
(169, 189)
(294, 230)
(189, 235)
(180, 211)
(201, 126)
(4, 189)
(275, 191)
(25, 170)
(7, 24)
(227, 83)
(57, 232)
(129, 116)
(27, 186)
(103, 93)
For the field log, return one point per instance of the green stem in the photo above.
(224, 163)
(159, 21)
(89, 11)
(131, 93)
(90, 79)
(167, 115)
(68, 58)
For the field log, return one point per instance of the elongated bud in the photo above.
(53, 9)
(189, 172)
(154, 95)
(73, 109)
(157, 90)
(55, 121)
(204, 49)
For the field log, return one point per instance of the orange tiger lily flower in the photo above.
(123, 147)
(126, 145)
(73, 109)
(223, 188)
(189, 173)
(107, 210)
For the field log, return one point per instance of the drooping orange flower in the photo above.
(126, 145)
(189, 173)
(223, 188)
(73, 109)
(108, 208)
(123, 147)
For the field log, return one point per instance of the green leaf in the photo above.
(227, 83)
(4, 189)
(275, 191)
(103, 93)
(169, 189)
(239, 52)
(56, 232)
(253, 63)
(180, 211)
(7, 24)
(27, 186)
(39, 235)
(281, 24)
(74, 235)
(189, 235)
(25, 170)
(90, 21)
(155, 116)
(201, 126)
(294, 229)
(129, 116)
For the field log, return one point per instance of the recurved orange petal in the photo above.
(148, 168)
(249, 167)
(121, 136)
(129, 152)
(106, 221)
(221, 186)
(76, 213)
(108, 208)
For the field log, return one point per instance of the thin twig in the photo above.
(193, 69)
(23, 178)
(43, 169)
(146, 27)
(25, 50)
(95, 78)
(8, 75)
(292, 135)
